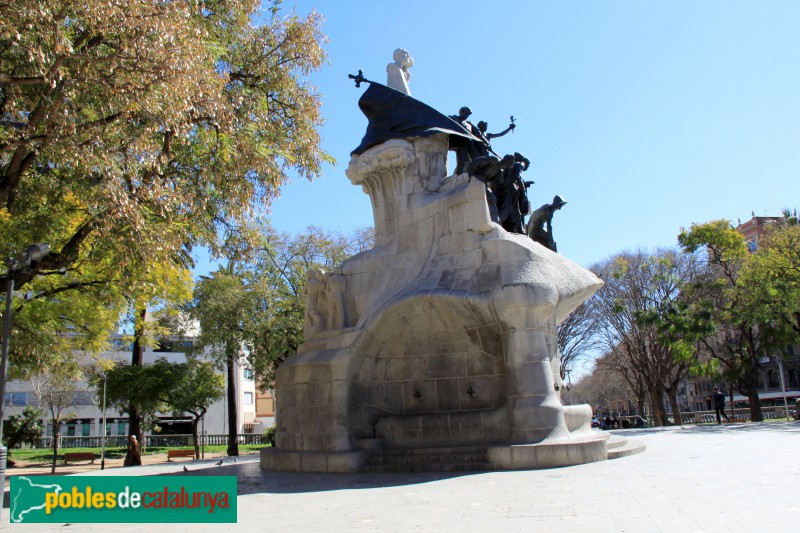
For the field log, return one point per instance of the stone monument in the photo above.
(443, 334)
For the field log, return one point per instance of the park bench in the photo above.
(179, 453)
(79, 456)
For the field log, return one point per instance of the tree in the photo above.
(56, 387)
(164, 386)
(771, 276)
(23, 428)
(252, 311)
(605, 389)
(576, 337)
(195, 387)
(163, 286)
(652, 352)
(134, 390)
(223, 303)
(132, 131)
(748, 324)
(283, 263)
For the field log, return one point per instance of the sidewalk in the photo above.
(736, 478)
(88, 468)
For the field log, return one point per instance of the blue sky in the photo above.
(644, 116)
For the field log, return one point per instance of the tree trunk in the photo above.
(233, 428)
(56, 437)
(676, 409)
(137, 359)
(750, 384)
(659, 407)
(195, 422)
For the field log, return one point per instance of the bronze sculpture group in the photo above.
(506, 191)
(393, 113)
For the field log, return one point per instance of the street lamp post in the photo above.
(15, 265)
(105, 428)
(203, 437)
(783, 386)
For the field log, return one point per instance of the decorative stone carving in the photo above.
(397, 74)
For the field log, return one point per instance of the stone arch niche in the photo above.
(432, 373)
(443, 334)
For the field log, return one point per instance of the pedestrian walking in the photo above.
(719, 405)
(134, 456)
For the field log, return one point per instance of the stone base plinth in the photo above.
(277, 460)
(549, 455)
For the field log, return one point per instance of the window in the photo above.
(248, 374)
(173, 346)
(120, 428)
(793, 377)
(15, 398)
(71, 429)
(248, 398)
(85, 428)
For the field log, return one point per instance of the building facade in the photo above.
(86, 413)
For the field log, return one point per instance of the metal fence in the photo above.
(738, 415)
(163, 441)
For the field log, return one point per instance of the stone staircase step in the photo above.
(631, 448)
(616, 442)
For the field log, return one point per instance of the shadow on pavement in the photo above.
(253, 480)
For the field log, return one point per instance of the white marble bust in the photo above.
(397, 74)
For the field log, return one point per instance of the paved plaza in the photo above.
(711, 478)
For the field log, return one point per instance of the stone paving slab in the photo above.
(727, 478)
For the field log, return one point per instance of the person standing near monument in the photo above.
(397, 74)
(719, 405)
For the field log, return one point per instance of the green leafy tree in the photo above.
(634, 310)
(164, 386)
(132, 131)
(252, 311)
(282, 264)
(771, 275)
(164, 287)
(196, 385)
(24, 428)
(740, 294)
(134, 390)
(223, 305)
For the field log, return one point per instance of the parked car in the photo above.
(595, 422)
